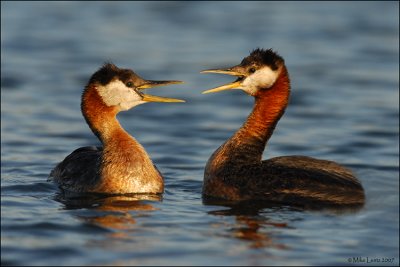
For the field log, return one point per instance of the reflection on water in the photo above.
(115, 211)
(250, 228)
(253, 225)
(105, 202)
(252, 207)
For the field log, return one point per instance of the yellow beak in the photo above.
(152, 98)
(233, 85)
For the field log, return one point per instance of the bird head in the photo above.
(258, 71)
(122, 87)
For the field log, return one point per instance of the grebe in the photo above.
(122, 165)
(235, 170)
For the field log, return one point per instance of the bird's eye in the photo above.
(252, 70)
(129, 84)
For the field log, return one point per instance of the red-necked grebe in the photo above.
(235, 170)
(122, 165)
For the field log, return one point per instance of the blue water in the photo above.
(343, 63)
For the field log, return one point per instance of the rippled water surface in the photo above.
(343, 63)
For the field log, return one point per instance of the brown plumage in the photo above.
(235, 171)
(122, 165)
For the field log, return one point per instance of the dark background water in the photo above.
(343, 63)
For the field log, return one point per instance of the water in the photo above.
(343, 63)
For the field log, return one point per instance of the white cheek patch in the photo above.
(116, 93)
(130, 104)
(262, 78)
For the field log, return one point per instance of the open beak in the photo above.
(233, 85)
(151, 98)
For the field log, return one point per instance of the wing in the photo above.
(80, 170)
(301, 180)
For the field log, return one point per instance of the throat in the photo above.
(125, 165)
(248, 143)
(122, 154)
(120, 149)
(102, 119)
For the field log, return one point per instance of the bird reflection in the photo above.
(121, 218)
(251, 230)
(253, 225)
(250, 226)
(116, 213)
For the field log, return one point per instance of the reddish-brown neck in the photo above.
(248, 143)
(125, 165)
(100, 117)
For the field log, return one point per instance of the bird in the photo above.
(121, 165)
(236, 171)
